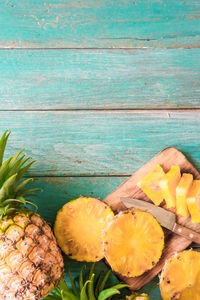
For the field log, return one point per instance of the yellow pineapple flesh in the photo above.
(181, 194)
(79, 228)
(133, 243)
(150, 184)
(180, 278)
(168, 185)
(193, 201)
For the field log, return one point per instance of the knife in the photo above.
(166, 218)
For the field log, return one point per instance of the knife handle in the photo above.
(187, 233)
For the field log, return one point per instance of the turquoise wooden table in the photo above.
(94, 89)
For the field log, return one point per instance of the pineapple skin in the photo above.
(31, 263)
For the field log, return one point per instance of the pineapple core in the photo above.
(168, 185)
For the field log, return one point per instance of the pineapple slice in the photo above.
(168, 185)
(180, 278)
(149, 184)
(133, 243)
(193, 201)
(181, 193)
(79, 228)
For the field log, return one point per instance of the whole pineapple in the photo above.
(30, 261)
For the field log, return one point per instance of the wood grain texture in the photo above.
(87, 23)
(173, 243)
(97, 142)
(105, 79)
(57, 191)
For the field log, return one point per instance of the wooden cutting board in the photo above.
(173, 243)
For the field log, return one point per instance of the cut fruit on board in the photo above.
(124, 249)
(173, 243)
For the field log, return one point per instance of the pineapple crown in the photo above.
(12, 187)
(88, 288)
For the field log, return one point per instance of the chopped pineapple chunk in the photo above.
(193, 201)
(181, 194)
(150, 184)
(168, 185)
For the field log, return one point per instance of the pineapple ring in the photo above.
(180, 278)
(79, 228)
(133, 243)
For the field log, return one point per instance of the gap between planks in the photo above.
(144, 48)
(167, 110)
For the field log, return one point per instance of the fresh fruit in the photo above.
(193, 201)
(168, 185)
(138, 296)
(150, 184)
(180, 278)
(30, 260)
(133, 243)
(79, 228)
(92, 287)
(181, 194)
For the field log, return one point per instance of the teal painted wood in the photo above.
(60, 190)
(84, 79)
(57, 191)
(100, 142)
(88, 23)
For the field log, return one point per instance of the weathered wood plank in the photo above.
(100, 142)
(84, 79)
(59, 190)
(88, 23)
(56, 191)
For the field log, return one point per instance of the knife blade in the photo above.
(166, 218)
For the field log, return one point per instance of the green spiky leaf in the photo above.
(91, 288)
(81, 277)
(75, 290)
(108, 293)
(98, 282)
(83, 295)
(3, 142)
(102, 285)
(12, 192)
(120, 286)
